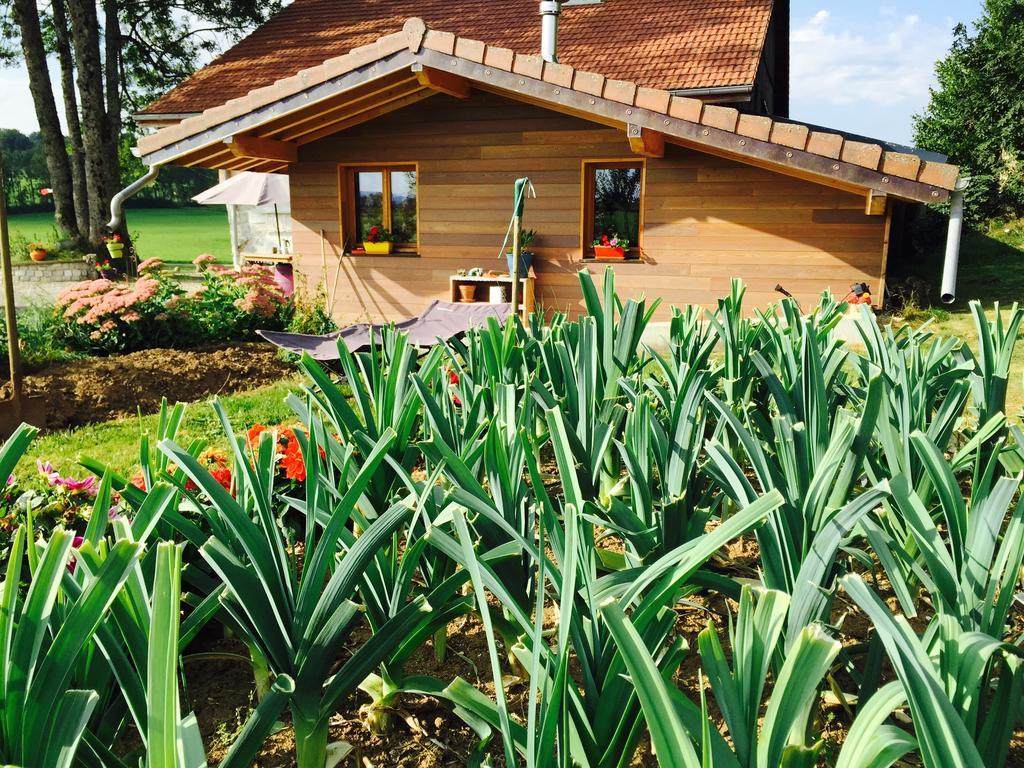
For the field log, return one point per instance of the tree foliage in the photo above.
(976, 114)
(113, 56)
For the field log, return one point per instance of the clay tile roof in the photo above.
(669, 44)
(783, 143)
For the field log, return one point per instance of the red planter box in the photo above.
(607, 253)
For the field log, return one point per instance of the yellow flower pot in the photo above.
(377, 248)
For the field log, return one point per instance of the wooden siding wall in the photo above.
(706, 219)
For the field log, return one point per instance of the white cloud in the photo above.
(868, 80)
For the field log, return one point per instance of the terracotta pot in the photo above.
(608, 253)
(467, 292)
(37, 254)
(377, 248)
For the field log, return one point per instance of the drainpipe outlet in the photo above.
(117, 201)
(956, 225)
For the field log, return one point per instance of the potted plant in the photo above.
(106, 268)
(377, 240)
(526, 256)
(611, 248)
(37, 252)
(115, 245)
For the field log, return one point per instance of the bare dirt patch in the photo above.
(103, 388)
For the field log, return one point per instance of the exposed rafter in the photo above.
(645, 142)
(442, 82)
(259, 148)
(876, 202)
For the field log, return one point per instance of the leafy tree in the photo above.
(114, 56)
(976, 115)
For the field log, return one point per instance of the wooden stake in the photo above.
(515, 264)
(10, 313)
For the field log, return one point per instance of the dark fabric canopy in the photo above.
(440, 320)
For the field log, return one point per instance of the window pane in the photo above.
(369, 202)
(617, 203)
(403, 206)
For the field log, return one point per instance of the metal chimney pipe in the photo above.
(549, 12)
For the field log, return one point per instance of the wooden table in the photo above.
(484, 283)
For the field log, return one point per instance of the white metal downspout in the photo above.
(549, 12)
(117, 201)
(953, 236)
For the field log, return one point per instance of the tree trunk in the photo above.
(57, 163)
(96, 141)
(112, 78)
(67, 85)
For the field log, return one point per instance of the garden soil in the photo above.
(99, 389)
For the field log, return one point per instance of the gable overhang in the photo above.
(263, 130)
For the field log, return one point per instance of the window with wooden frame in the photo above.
(380, 196)
(613, 192)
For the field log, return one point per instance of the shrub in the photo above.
(39, 339)
(103, 316)
(233, 304)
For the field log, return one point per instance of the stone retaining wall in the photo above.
(52, 272)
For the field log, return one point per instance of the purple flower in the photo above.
(11, 480)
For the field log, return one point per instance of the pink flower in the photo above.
(203, 260)
(150, 265)
(76, 543)
(86, 486)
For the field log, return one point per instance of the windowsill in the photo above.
(392, 255)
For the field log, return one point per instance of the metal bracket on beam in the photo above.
(257, 148)
(644, 141)
(441, 81)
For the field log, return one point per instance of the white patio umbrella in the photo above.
(248, 188)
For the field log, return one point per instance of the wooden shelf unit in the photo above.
(484, 282)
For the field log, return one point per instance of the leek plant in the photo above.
(997, 338)
(383, 398)
(44, 718)
(810, 450)
(785, 737)
(596, 721)
(669, 502)
(961, 715)
(969, 552)
(299, 617)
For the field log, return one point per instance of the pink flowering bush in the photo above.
(103, 316)
(233, 304)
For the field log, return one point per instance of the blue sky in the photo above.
(866, 66)
(861, 66)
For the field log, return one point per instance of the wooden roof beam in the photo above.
(258, 148)
(875, 203)
(441, 81)
(644, 141)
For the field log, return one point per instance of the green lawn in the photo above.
(117, 442)
(991, 269)
(171, 234)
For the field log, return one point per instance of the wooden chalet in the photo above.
(424, 129)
